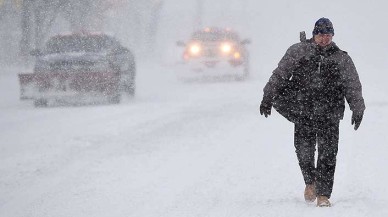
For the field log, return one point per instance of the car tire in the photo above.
(131, 91)
(38, 103)
(114, 99)
(129, 84)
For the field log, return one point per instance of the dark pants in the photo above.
(325, 135)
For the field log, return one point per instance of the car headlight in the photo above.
(237, 55)
(195, 49)
(226, 48)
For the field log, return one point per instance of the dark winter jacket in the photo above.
(312, 83)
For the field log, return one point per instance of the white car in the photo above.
(215, 52)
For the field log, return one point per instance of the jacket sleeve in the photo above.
(352, 84)
(281, 73)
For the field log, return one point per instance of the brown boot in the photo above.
(309, 193)
(323, 201)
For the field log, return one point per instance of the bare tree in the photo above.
(142, 21)
(9, 30)
(38, 16)
(198, 19)
(153, 24)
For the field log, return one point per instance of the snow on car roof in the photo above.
(83, 33)
(215, 33)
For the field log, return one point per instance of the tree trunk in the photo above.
(27, 27)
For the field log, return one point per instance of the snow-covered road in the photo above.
(178, 149)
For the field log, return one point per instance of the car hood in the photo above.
(73, 56)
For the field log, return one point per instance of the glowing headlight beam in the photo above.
(226, 48)
(195, 49)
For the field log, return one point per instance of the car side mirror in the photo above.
(246, 41)
(180, 44)
(36, 52)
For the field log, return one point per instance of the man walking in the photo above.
(309, 88)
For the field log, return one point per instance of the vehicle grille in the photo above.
(210, 53)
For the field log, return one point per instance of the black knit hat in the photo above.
(323, 26)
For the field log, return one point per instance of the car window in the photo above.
(214, 36)
(63, 44)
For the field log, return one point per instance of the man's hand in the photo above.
(357, 118)
(265, 108)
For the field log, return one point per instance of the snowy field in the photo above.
(199, 149)
(178, 149)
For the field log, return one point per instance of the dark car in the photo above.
(80, 66)
(216, 51)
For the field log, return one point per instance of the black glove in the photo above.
(357, 118)
(265, 108)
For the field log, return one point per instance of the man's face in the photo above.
(323, 39)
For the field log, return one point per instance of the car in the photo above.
(214, 51)
(80, 66)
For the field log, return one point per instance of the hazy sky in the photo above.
(274, 25)
(360, 26)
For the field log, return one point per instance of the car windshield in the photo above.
(214, 36)
(63, 44)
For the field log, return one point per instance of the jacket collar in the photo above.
(324, 51)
